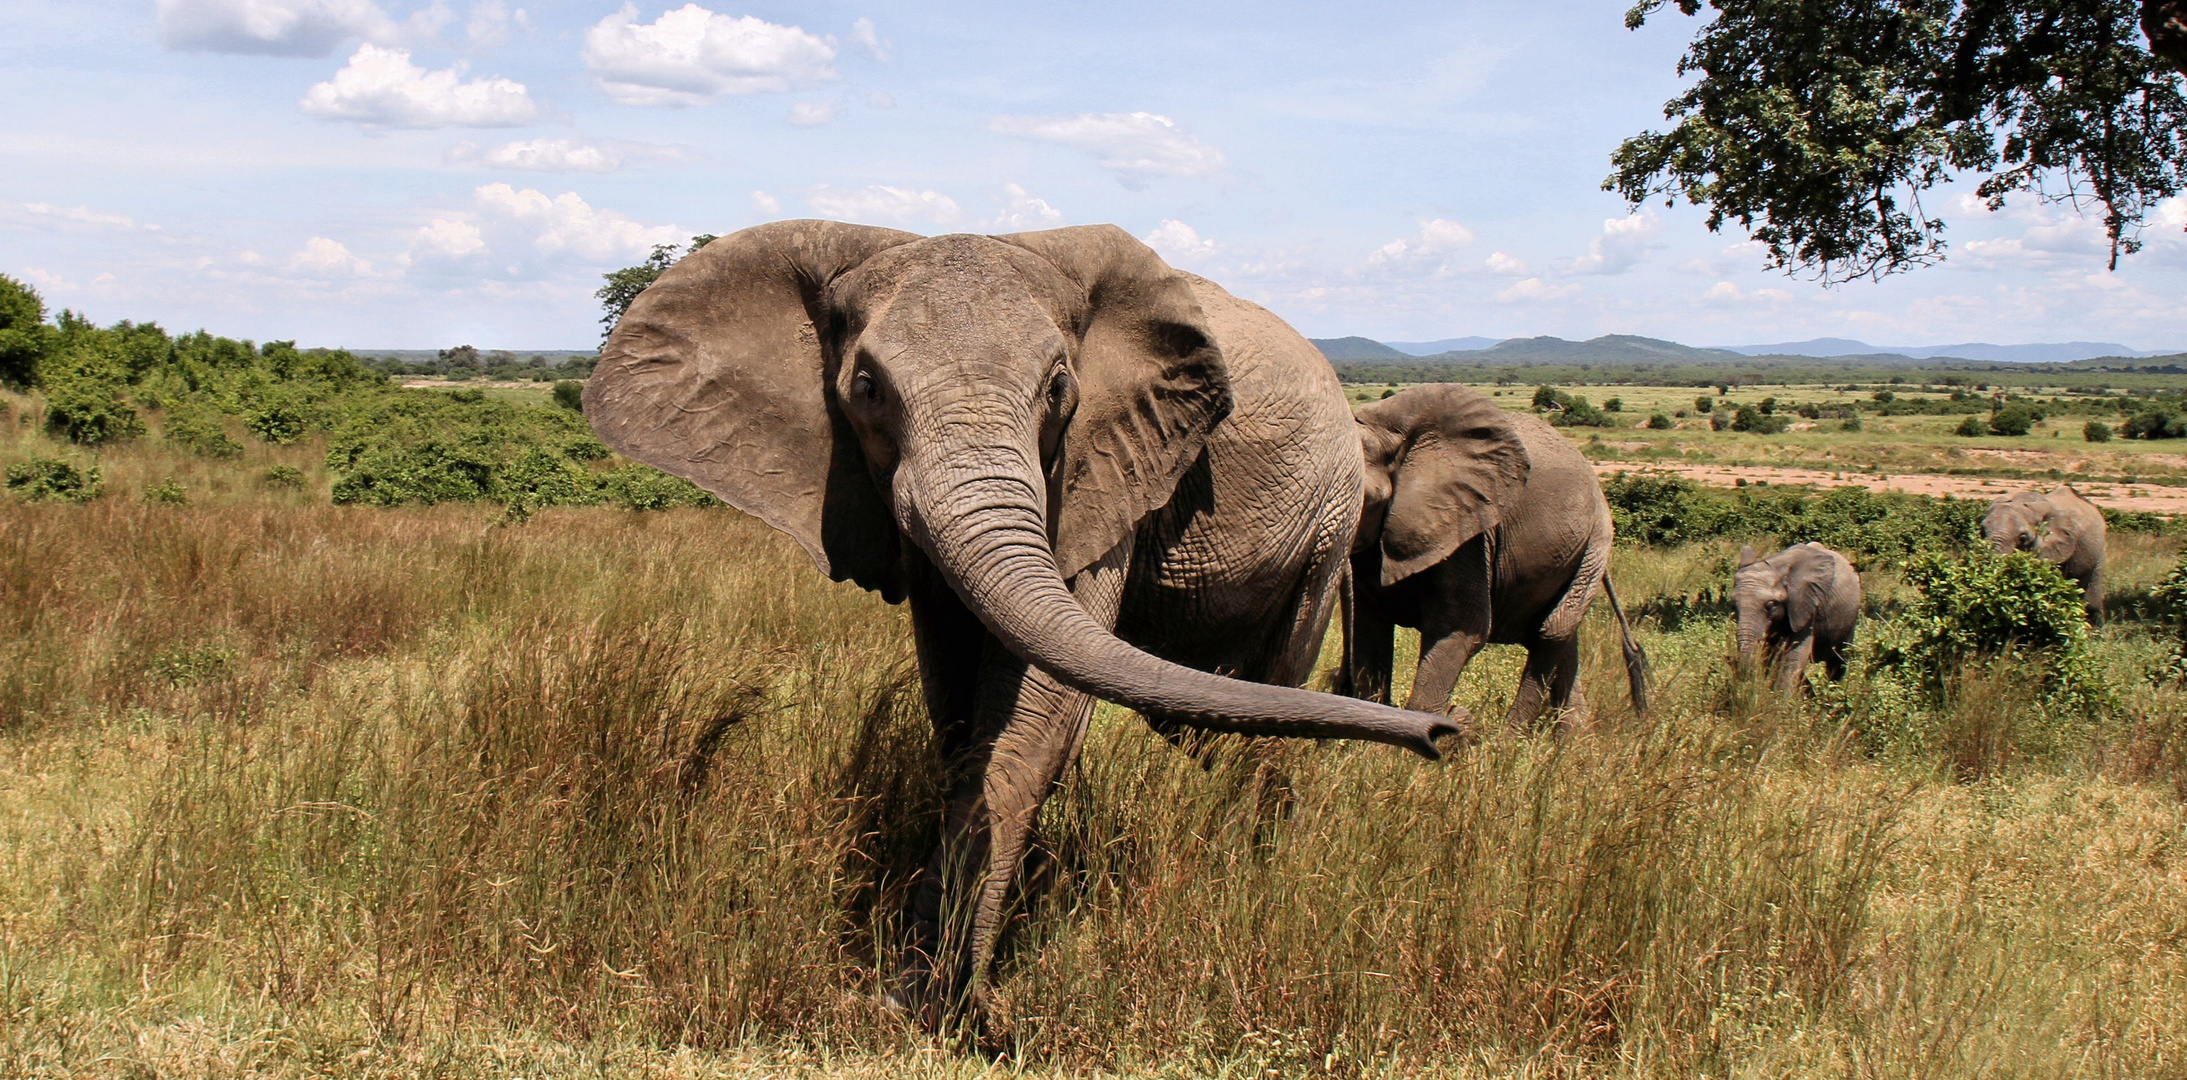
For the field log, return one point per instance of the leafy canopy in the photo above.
(624, 285)
(1816, 125)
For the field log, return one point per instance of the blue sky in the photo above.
(390, 173)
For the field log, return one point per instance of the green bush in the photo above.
(49, 480)
(1980, 613)
(1658, 509)
(2013, 420)
(639, 487)
(570, 394)
(1704, 403)
(1660, 422)
(283, 476)
(1972, 427)
(277, 422)
(1757, 421)
(200, 435)
(24, 337)
(2096, 431)
(1852, 423)
(2154, 424)
(90, 412)
(168, 492)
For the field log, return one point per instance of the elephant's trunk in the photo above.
(1751, 633)
(983, 528)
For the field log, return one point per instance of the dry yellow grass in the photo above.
(289, 790)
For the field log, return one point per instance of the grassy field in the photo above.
(296, 790)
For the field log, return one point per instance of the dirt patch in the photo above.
(2149, 497)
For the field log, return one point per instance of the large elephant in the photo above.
(1800, 605)
(2061, 528)
(1479, 527)
(1052, 444)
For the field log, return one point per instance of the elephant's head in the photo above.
(1759, 597)
(1442, 463)
(2022, 523)
(1012, 406)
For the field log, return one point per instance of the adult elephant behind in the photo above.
(1479, 527)
(1041, 440)
(2061, 528)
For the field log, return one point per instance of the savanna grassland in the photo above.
(291, 788)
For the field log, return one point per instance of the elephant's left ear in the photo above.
(1461, 463)
(1151, 384)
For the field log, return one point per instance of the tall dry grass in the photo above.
(295, 790)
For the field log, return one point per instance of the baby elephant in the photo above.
(1479, 527)
(2061, 528)
(1800, 604)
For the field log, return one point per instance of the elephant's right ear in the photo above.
(717, 374)
(1460, 464)
(1747, 556)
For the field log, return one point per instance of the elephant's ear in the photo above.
(1748, 556)
(717, 374)
(1151, 384)
(1460, 464)
(1808, 588)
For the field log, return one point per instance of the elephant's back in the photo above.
(1545, 535)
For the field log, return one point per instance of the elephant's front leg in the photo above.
(1454, 623)
(1792, 663)
(1027, 730)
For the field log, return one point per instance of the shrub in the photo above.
(1660, 422)
(2013, 420)
(2154, 424)
(1718, 421)
(1757, 421)
(2096, 431)
(168, 492)
(1883, 397)
(90, 412)
(1614, 405)
(2011, 614)
(49, 480)
(281, 423)
(640, 487)
(570, 394)
(1549, 399)
(24, 337)
(201, 436)
(1704, 403)
(1972, 427)
(1852, 423)
(283, 476)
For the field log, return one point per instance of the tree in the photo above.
(24, 337)
(624, 285)
(1816, 126)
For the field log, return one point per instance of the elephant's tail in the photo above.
(1636, 662)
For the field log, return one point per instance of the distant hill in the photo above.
(1356, 348)
(1447, 345)
(2058, 352)
(1607, 349)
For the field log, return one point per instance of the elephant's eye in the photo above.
(1059, 389)
(864, 388)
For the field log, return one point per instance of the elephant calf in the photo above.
(2061, 528)
(1479, 527)
(1800, 605)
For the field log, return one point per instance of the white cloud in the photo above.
(1437, 239)
(691, 55)
(866, 37)
(1623, 243)
(382, 88)
(447, 238)
(1500, 263)
(2053, 236)
(324, 258)
(46, 216)
(270, 27)
(566, 224)
(880, 204)
(492, 21)
(765, 203)
(1535, 289)
(1729, 294)
(2171, 214)
(811, 113)
(1179, 242)
(1132, 145)
(880, 100)
(542, 155)
(1022, 212)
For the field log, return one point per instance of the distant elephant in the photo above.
(1479, 527)
(1800, 606)
(2061, 528)
(1052, 444)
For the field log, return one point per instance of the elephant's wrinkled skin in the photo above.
(2061, 528)
(1799, 606)
(1479, 527)
(1043, 441)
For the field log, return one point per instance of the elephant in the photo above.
(1478, 527)
(1800, 604)
(2062, 528)
(1090, 474)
